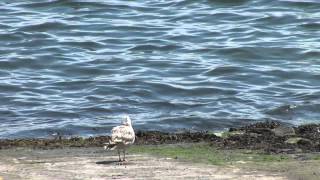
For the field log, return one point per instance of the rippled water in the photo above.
(76, 67)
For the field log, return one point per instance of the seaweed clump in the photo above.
(273, 137)
(269, 136)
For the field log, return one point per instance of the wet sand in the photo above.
(96, 164)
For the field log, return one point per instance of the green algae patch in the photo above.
(194, 152)
(206, 153)
(293, 166)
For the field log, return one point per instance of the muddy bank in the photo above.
(271, 137)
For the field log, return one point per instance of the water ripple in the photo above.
(76, 67)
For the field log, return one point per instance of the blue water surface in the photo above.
(76, 67)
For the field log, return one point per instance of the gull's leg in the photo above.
(119, 155)
(124, 154)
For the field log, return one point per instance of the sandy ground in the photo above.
(97, 164)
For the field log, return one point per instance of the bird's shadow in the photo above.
(108, 162)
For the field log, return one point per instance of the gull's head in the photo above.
(127, 120)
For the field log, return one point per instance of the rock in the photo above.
(309, 128)
(309, 131)
(302, 143)
(317, 147)
(254, 135)
(298, 150)
(219, 134)
(305, 144)
(293, 140)
(284, 131)
(264, 131)
(287, 150)
(233, 129)
(229, 133)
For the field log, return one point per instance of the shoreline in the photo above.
(267, 150)
(269, 136)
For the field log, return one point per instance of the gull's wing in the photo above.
(122, 134)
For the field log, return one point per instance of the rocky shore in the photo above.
(270, 136)
(266, 150)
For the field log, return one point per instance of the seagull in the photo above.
(121, 137)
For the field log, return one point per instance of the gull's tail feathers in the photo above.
(110, 146)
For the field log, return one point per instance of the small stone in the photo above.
(298, 150)
(254, 135)
(284, 131)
